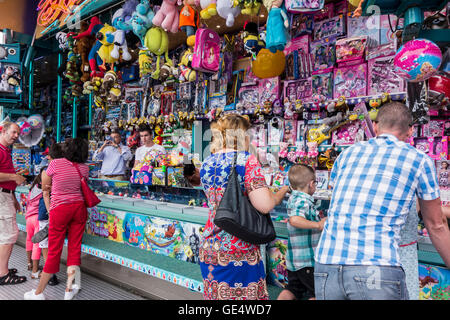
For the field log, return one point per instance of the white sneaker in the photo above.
(68, 295)
(30, 295)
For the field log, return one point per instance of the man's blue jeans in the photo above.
(349, 282)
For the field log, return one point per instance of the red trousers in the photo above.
(71, 219)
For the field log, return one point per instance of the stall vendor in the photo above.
(114, 155)
(147, 145)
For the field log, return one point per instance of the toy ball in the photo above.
(35, 122)
(25, 128)
(417, 60)
(268, 64)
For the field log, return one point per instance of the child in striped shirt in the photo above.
(304, 229)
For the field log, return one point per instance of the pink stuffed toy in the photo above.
(168, 16)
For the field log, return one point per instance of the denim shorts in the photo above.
(349, 282)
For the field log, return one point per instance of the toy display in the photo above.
(310, 76)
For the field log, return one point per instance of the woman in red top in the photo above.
(67, 214)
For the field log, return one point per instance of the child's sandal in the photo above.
(11, 278)
(36, 275)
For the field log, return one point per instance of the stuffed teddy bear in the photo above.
(226, 10)
(82, 48)
(167, 16)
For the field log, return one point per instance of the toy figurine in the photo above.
(252, 43)
(277, 25)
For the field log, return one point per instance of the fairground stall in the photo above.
(117, 65)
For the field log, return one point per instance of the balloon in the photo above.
(417, 60)
(268, 64)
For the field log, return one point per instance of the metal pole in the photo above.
(59, 102)
(90, 116)
(74, 118)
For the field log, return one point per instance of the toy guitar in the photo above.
(323, 132)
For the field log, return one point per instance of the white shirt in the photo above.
(142, 151)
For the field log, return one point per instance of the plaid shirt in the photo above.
(301, 242)
(375, 183)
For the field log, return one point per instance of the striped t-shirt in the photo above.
(66, 182)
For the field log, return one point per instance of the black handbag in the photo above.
(237, 216)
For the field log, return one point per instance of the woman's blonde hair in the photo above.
(229, 132)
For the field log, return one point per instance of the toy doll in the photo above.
(277, 25)
(188, 22)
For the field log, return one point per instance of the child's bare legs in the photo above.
(45, 277)
(29, 263)
(35, 266)
(286, 295)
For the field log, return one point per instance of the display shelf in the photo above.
(309, 105)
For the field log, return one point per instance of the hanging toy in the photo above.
(186, 73)
(157, 42)
(277, 25)
(252, 42)
(226, 10)
(82, 47)
(268, 64)
(189, 21)
(167, 16)
(209, 9)
(142, 19)
(248, 7)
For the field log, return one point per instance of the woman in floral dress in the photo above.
(232, 268)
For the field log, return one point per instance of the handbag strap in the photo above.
(78, 169)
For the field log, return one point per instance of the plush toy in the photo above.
(252, 43)
(185, 71)
(167, 16)
(82, 48)
(157, 42)
(277, 25)
(167, 72)
(106, 36)
(249, 7)
(189, 21)
(208, 8)
(121, 20)
(141, 19)
(94, 60)
(226, 10)
(62, 40)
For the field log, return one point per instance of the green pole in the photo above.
(31, 87)
(59, 102)
(90, 109)
(74, 119)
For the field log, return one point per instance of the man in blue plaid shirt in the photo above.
(374, 185)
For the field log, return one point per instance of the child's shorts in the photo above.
(301, 283)
(44, 243)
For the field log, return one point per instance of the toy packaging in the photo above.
(299, 43)
(330, 27)
(298, 90)
(364, 26)
(434, 128)
(301, 24)
(350, 48)
(350, 81)
(443, 175)
(348, 134)
(438, 148)
(269, 90)
(299, 6)
(290, 132)
(386, 35)
(322, 84)
(326, 13)
(159, 176)
(324, 53)
(383, 50)
(249, 97)
(322, 178)
(382, 78)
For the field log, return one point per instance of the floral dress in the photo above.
(232, 269)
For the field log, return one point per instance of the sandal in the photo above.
(12, 278)
(12, 270)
